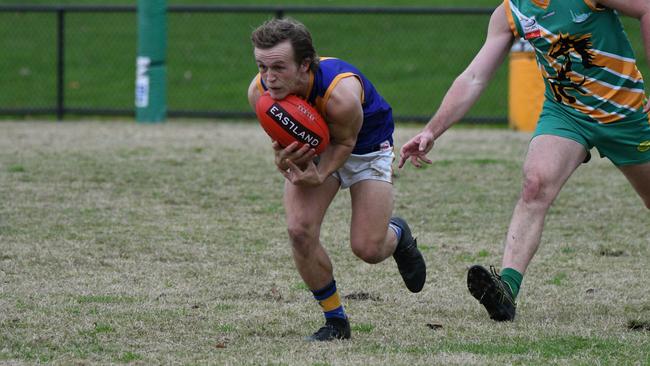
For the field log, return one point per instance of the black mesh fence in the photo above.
(67, 60)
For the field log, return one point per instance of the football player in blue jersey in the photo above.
(359, 157)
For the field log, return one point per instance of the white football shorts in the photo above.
(376, 165)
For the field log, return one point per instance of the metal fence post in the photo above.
(151, 66)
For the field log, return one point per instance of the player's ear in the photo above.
(304, 66)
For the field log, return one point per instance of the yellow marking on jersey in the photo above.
(593, 5)
(621, 67)
(258, 79)
(511, 20)
(644, 146)
(597, 114)
(331, 87)
(630, 99)
(320, 105)
(542, 3)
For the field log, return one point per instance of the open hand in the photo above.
(416, 149)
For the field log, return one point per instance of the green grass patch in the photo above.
(105, 299)
(362, 328)
(16, 169)
(128, 357)
(558, 279)
(226, 328)
(156, 245)
(300, 286)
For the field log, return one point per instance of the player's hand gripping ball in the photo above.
(292, 119)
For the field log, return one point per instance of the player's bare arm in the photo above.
(344, 116)
(639, 9)
(465, 90)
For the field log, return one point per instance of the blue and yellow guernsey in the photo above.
(584, 55)
(378, 122)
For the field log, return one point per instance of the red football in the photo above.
(292, 119)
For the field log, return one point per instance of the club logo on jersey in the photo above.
(559, 55)
(579, 18)
(531, 28)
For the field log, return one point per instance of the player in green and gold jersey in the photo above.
(594, 98)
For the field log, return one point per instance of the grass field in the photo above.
(412, 59)
(125, 243)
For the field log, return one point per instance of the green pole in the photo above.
(151, 70)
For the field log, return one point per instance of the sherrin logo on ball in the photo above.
(292, 119)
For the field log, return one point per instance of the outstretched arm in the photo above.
(464, 91)
(639, 9)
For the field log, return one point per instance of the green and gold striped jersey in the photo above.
(584, 55)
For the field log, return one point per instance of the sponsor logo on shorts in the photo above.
(385, 146)
(644, 146)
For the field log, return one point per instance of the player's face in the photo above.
(279, 71)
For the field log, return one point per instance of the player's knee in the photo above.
(301, 238)
(367, 250)
(533, 191)
(530, 188)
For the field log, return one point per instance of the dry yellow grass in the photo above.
(165, 244)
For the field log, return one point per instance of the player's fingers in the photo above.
(404, 156)
(291, 147)
(292, 166)
(415, 162)
(300, 153)
(402, 159)
(285, 153)
(305, 158)
(646, 107)
(425, 159)
(285, 173)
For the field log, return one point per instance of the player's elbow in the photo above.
(470, 80)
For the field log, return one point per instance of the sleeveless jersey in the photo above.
(378, 122)
(584, 55)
